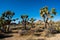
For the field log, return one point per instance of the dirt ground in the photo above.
(17, 36)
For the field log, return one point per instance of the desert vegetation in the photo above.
(29, 29)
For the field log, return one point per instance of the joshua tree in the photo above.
(24, 19)
(46, 14)
(2, 21)
(8, 17)
(32, 21)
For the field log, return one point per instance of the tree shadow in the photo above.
(2, 36)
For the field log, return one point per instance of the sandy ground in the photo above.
(16, 36)
(56, 37)
(31, 37)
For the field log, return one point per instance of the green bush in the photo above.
(58, 29)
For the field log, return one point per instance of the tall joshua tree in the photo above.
(46, 14)
(32, 21)
(8, 17)
(24, 19)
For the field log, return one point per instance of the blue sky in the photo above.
(29, 7)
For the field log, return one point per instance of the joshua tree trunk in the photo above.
(32, 24)
(4, 28)
(8, 28)
(47, 27)
(25, 23)
(46, 23)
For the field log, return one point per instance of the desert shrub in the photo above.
(58, 29)
(52, 30)
(17, 28)
(37, 34)
(33, 26)
(28, 28)
(23, 32)
(39, 30)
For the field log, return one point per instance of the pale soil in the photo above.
(16, 36)
(56, 37)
